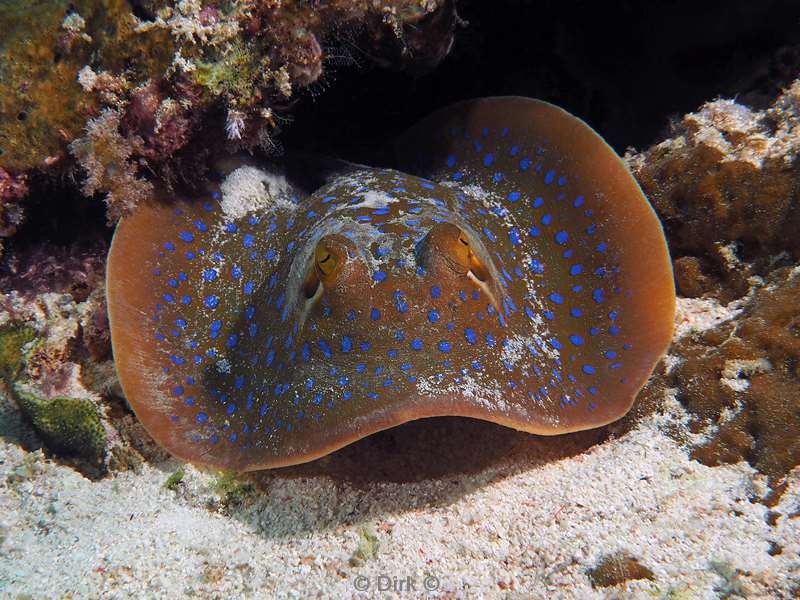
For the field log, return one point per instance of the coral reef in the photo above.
(123, 86)
(740, 381)
(725, 185)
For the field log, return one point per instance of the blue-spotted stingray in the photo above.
(510, 269)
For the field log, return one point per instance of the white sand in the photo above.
(525, 528)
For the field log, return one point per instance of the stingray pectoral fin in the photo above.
(600, 293)
(182, 280)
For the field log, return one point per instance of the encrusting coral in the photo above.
(741, 382)
(726, 188)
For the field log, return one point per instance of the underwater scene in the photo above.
(399, 299)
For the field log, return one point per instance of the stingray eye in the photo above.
(466, 256)
(323, 269)
(324, 260)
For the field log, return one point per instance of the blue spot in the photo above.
(186, 236)
(547, 219)
(433, 316)
(248, 240)
(561, 181)
(601, 247)
(498, 177)
(513, 235)
(489, 235)
(211, 301)
(201, 417)
(488, 160)
(556, 298)
(445, 346)
(561, 237)
(576, 312)
(375, 314)
(169, 298)
(436, 291)
(576, 340)
(363, 218)
(513, 196)
(534, 232)
(451, 161)
(490, 340)
(364, 346)
(351, 315)
(469, 333)
(169, 246)
(549, 176)
(416, 344)
(236, 272)
(578, 202)
(613, 330)
(200, 226)
(347, 343)
(380, 276)
(588, 369)
(575, 270)
(326, 349)
(524, 164)
(597, 296)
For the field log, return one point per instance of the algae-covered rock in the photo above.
(67, 425)
(14, 338)
(741, 382)
(726, 188)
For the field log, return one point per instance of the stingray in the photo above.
(509, 268)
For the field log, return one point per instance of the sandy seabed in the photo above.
(531, 524)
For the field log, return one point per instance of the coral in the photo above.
(725, 186)
(45, 45)
(614, 569)
(741, 381)
(69, 426)
(125, 85)
(107, 157)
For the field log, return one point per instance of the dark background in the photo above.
(625, 67)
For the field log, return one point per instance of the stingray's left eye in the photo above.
(324, 260)
(328, 259)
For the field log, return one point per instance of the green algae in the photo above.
(367, 548)
(174, 480)
(236, 73)
(233, 490)
(14, 337)
(67, 425)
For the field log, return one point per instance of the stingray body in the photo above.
(511, 270)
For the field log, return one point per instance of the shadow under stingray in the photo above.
(440, 448)
(446, 447)
(429, 462)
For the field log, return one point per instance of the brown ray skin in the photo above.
(136, 241)
(645, 259)
(129, 302)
